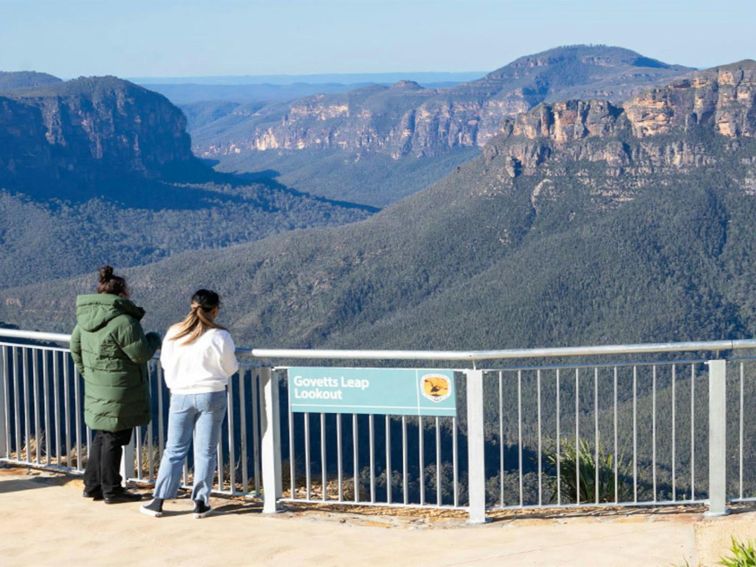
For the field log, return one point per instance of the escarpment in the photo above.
(406, 119)
(677, 127)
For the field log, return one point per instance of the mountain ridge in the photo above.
(98, 169)
(569, 247)
(13, 80)
(464, 115)
(378, 144)
(89, 129)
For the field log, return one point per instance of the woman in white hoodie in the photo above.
(198, 357)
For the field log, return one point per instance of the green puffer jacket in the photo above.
(110, 351)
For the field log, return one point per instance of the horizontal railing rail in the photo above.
(449, 355)
(614, 428)
(485, 355)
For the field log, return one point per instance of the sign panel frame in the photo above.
(378, 391)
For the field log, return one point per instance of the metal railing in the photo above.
(626, 434)
(42, 422)
(654, 430)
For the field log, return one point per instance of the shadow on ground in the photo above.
(17, 480)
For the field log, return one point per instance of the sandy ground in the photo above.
(45, 521)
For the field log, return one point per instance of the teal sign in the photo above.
(391, 391)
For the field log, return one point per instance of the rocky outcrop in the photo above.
(722, 98)
(406, 119)
(664, 127)
(87, 129)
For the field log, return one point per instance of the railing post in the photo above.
(717, 438)
(127, 460)
(271, 442)
(476, 447)
(3, 415)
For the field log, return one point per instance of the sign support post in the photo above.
(271, 442)
(476, 447)
(717, 438)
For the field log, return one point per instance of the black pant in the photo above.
(103, 466)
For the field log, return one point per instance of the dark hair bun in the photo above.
(106, 274)
(110, 283)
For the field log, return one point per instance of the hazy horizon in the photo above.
(199, 38)
(313, 78)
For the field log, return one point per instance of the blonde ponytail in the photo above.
(198, 320)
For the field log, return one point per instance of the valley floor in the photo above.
(45, 521)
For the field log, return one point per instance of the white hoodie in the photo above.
(200, 367)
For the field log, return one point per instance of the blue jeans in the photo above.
(200, 415)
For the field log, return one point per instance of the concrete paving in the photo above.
(45, 521)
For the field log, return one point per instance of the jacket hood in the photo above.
(95, 311)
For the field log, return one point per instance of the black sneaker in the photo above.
(123, 497)
(153, 508)
(201, 509)
(94, 495)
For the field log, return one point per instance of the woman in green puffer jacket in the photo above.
(110, 350)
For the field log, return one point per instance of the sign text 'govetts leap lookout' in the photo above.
(390, 391)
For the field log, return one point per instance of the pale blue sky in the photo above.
(245, 37)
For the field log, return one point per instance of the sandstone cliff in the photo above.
(706, 120)
(406, 119)
(87, 129)
(656, 128)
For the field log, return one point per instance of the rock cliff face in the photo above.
(706, 120)
(722, 99)
(100, 170)
(87, 129)
(406, 119)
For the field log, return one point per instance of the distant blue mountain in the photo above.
(316, 79)
(345, 145)
(282, 88)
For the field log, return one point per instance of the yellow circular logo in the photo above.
(435, 387)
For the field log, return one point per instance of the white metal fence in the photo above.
(656, 429)
(42, 423)
(625, 434)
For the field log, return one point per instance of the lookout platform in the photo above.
(45, 521)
